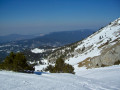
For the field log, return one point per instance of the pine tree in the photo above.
(16, 62)
(60, 67)
(8, 63)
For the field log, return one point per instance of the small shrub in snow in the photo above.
(60, 67)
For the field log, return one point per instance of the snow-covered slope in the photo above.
(95, 45)
(93, 79)
(96, 40)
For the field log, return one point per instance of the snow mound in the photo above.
(37, 50)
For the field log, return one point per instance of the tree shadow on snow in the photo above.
(40, 73)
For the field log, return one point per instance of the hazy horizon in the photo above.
(39, 34)
(28, 17)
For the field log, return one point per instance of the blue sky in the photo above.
(44, 16)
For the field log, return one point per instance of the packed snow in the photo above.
(37, 50)
(86, 79)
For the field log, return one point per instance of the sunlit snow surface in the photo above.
(37, 50)
(92, 79)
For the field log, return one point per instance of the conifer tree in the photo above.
(16, 62)
(60, 67)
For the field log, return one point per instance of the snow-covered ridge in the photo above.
(90, 47)
(93, 44)
(37, 50)
(117, 22)
(103, 34)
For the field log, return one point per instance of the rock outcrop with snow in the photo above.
(107, 58)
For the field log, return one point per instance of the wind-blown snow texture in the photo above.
(93, 79)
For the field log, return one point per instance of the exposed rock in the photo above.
(107, 58)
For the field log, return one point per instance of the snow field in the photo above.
(92, 79)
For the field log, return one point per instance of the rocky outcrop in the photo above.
(109, 56)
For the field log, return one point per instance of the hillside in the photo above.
(93, 79)
(20, 43)
(98, 50)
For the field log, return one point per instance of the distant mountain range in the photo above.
(68, 36)
(19, 43)
(15, 37)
